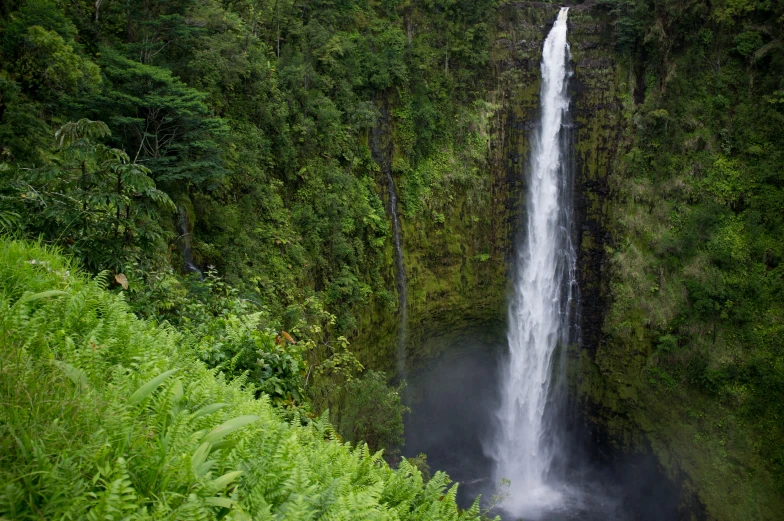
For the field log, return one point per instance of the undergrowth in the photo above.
(107, 416)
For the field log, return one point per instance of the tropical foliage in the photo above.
(259, 120)
(698, 261)
(240, 139)
(108, 416)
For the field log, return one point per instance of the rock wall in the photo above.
(615, 402)
(457, 267)
(599, 127)
(603, 101)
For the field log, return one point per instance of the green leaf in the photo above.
(43, 294)
(200, 456)
(223, 444)
(145, 390)
(204, 468)
(220, 502)
(221, 482)
(228, 427)
(208, 409)
(77, 376)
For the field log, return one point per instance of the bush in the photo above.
(372, 412)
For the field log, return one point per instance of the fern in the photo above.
(106, 416)
(117, 500)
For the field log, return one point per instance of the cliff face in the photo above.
(458, 253)
(616, 399)
(602, 102)
(623, 397)
(598, 88)
(457, 249)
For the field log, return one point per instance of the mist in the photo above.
(453, 400)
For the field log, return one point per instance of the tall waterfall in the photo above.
(526, 444)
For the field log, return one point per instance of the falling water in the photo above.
(401, 280)
(184, 228)
(383, 159)
(525, 444)
(401, 277)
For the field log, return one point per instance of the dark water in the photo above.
(452, 401)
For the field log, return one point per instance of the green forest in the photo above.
(199, 290)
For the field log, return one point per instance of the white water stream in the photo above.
(525, 443)
(401, 277)
(383, 157)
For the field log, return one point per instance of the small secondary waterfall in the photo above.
(383, 159)
(184, 228)
(401, 277)
(526, 443)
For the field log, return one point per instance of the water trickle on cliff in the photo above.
(401, 277)
(383, 159)
(184, 228)
(526, 440)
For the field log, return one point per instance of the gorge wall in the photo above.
(702, 440)
(457, 250)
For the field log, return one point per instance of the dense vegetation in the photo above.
(698, 253)
(107, 416)
(217, 162)
(242, 113)
(222, 165)
(242, 140)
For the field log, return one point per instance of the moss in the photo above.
(457, 261)
(457, 247)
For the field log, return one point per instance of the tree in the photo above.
(91, 199)
(42, 55)
(164, 123)
(372, 412)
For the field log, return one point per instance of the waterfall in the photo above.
(401, 277)
(383, 157)
(526, 441)
(184, 228)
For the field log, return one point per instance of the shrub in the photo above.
(373, 412)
